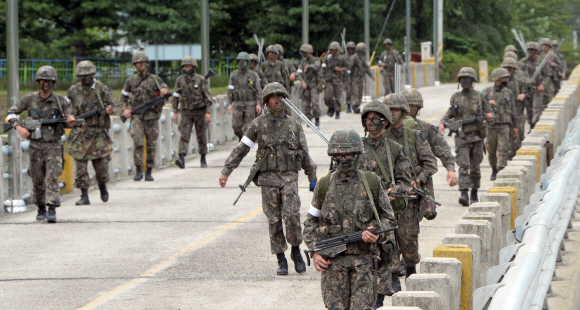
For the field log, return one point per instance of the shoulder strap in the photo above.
(363, 176)
(380, 163)
(98, 91)
(323, 189)
(157, 83)
(59, 104)
(405, 137)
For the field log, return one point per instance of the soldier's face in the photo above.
(186, 68)
(374, 122)
(334, 52)
(304, 54)
(350, 50)
(413, 110)
(532, 53)
(546, 48)
(466, 82)
(142, 66)
(243, 64)
(272, 55)
(46, 85)
(86, 79)
(397, 115)
(253, 64)
(388, 46)
(510, 70)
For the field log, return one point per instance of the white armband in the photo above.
(176, 95)
(323, 65)
(380, 62)
(299, 70)
(248, 142)
(67, 100)
(313, 211)
(348, 71)
(231, 87)
(125, 93)
(12, 116)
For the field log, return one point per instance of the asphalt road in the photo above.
(178, 243)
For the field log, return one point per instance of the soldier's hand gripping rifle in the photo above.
(253, 171)
(330, 248)
(424, 194)
(146, 106)
(94, 112)
(33, 125)
(307, 80)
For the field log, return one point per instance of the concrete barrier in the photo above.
(484, 230)
(505, 201)
(463, 254)
(452, 268)
(426, 300)
(517, 185)
(438, 283)
(474, 243)
(531, 159)
(538, 151)
(401, 308)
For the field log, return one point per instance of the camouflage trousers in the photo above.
(333, 96)
(101, 166)
(348, 93)
(468, 157)
(242, 118)
(45, 168)
(188, 119)
(348, 287)
(534, 107)
(356, 90)
(385, 273)
(282, 204)
(407, 239)
(389, 83)
(310, 106)
(141, 130)
(516, 142)
(497, 144)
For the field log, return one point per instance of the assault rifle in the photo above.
(146, 106)
(399, 195)
(457, 126)
(94, 112)
(33, 125)
(424, 194)
(253, 172)
(307, 79)
(330, 248)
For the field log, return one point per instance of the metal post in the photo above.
(156, 59)
(304, 21)
(367, 29)
(204, 36)
(436, 39)
(13, 92)
(408, 46)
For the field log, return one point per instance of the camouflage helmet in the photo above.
(467, 72)
(350, 44)
(306, 48)
(189, 60)
(396, 101)
(387, 41)
(361, 47)
(334, 46)
(532, 46)
(499, 73)
(345, 142)
(510, 55)
(510, 48)
(378, 107)
(272, 48)
(243, 56)
(555, 43)
(46, 73)
(273, 88)
(280, 49)
(509, 63)
(140, 56)
(413, 97)
(545, 41)
(85, 67)
(254, 57)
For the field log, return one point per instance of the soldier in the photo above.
(46, 151)
(357, 67)
(273, 69)
(253, 64)
(439, 146)
(244, 93)
(387, 159)
(423, 165)
(288, 67)
(311, 108)
(332, 67)
(139, 88)
(192, 100)
(534, 106)
(562, 58)
(340, 205)
(468, 104)
(387, 61)
(497, 142)
(554, 70)
(283, 136)
(510, 48)
(519, 86)
(90, 141)
(350, 49)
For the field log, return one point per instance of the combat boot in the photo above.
(51, 217)
(337, 115)
(348, 110)
(282, 265)
(317, 122)
(104, 192)
(330, 112)
(409, 271)
(395, 283)
(180, 162)
(464, 198)
(202, 162)
(473, 196)
(493, 174)
(148, 176)
(379, 301)
(296, 256)
(41, 216)
(84, 198)
(138, 173)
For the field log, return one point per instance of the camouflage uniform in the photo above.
(347, 77)
(45, 153)
(346, 284)
(391, 58)
(289, 67)
(333, 80)
(518, 85)
(244, 93)
(90, 141)
(274, 72)
(357, 68)
(535, 104)
(311, 108)
(278, 176)
(563, 63)
(554, 72)
(193, 102)
(263, 79)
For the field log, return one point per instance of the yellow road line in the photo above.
(436, 116)
(153, 270)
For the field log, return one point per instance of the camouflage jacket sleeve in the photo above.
(242, 149)
(312, 220)
(107, 97)
(125, 93)
(207, 96)
(427, 161)
(367, 69)
(382, 57)
(485, 106)
(300, 71)
(258, 90)
(70, 96)
(18, 108)
(307, 163)
(290, 66)
(386, 214)
(450, 114)
(231, 87)
(440, 148)
(402, 170)
(399, 58)
(161, 83)
(176, 95)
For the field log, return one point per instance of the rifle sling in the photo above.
(380, 163)
(405, 137)
(268, 150)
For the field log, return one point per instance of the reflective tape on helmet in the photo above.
(12, 116)
(231, 87)
(313, 211)
(125, 93)
(248, 142)
(323, 65)
(176, 95)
